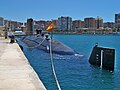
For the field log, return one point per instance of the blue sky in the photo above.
(20, 10)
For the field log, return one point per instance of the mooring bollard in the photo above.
(12, 39)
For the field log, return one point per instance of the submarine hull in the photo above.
(44, 44)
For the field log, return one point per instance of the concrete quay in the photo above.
(15, 70)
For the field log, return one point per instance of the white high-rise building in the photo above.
(65, 23)
(117, 21)
(117, 18)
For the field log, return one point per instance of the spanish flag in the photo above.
(50, 27)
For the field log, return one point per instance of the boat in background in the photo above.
(116, 33)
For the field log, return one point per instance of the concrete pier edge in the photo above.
(16, 73)
(39, 81)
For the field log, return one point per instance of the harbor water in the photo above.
(75, 72)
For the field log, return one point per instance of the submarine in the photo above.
(43, 43)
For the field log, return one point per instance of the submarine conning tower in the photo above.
(29, 31)
(104, 57)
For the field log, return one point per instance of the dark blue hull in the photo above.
(43, 44)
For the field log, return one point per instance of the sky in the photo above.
(20, 10)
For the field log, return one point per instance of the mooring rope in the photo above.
(51, 56)
(53, 69)
(38, 44)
